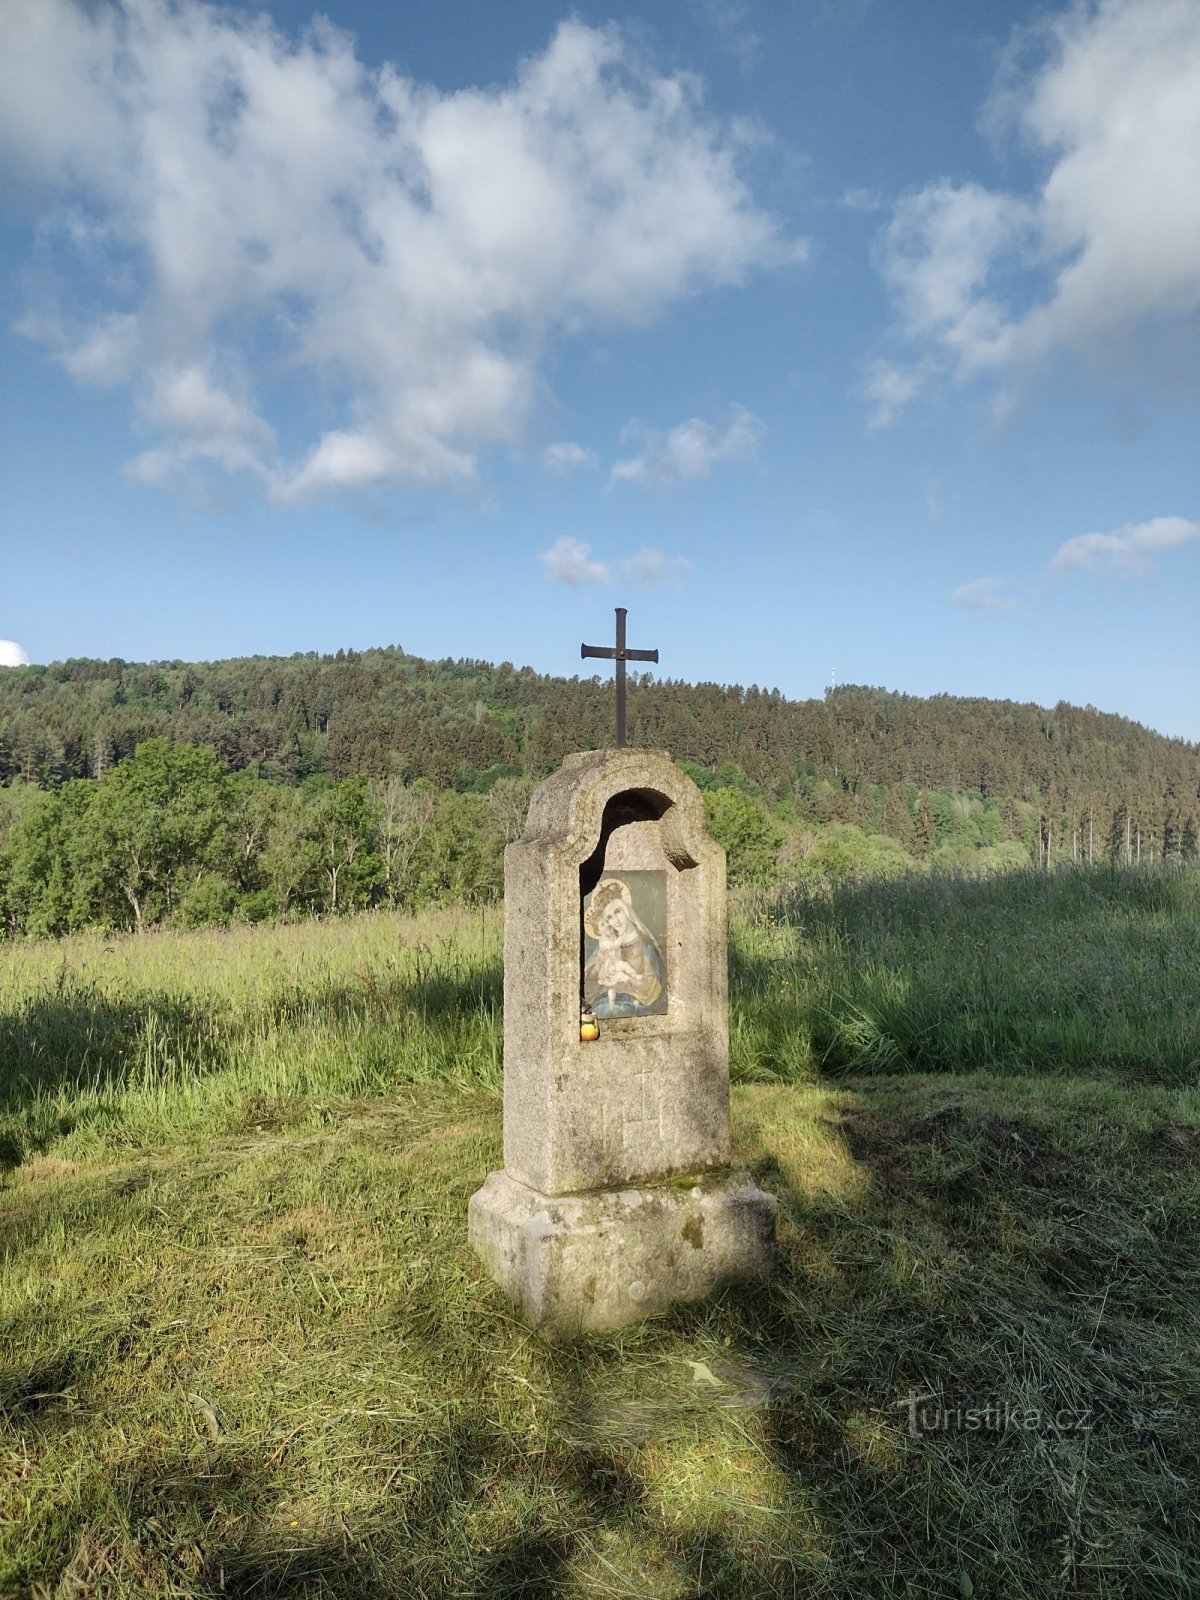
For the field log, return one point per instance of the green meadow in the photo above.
(245, 1350)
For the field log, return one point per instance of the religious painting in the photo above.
(625, 935)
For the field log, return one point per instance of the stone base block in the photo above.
(584, 1263)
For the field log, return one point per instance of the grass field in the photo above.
(244, 1349)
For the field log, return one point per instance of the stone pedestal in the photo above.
(586, 1263)
(616, 1198)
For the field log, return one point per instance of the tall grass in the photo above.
(1083, 970)
(1078, 972)
(132, 1039)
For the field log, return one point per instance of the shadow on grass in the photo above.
(481, 1509)
(82, 1040)
(66, 1056)
(913, 1234)
(932, 1248)
(43, 1390)
(914, 1270)
(467, 992)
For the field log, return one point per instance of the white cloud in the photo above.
(1110, 240)
(238, 214)
(983, 594)
(652, 569)
(570, 561)
(104, 354)
(1134, 549)
(205, 421)
(867, 200)
(732, 23)
(12, 655)
(689, 451)
(889, 389)
(937, 253)
(567, 457)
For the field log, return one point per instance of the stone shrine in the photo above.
(616, 1198)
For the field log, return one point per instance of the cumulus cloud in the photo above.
(1109, 242)
(888, 389)
(938, 252)
(570, 561)
(12, 654)
(567, 457)
(653, 569)
(238, 215)
(983, 594)
(1134, 549)
(689, 451)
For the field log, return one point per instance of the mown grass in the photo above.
(244, 1349)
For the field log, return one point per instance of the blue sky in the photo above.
(841, 336)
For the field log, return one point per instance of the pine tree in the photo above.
(923, 828)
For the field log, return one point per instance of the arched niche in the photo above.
(629, 905)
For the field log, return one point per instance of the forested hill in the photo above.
(859, 755)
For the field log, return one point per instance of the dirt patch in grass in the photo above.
(314, 1225)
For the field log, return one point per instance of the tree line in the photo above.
(132, 794)
(168, 837)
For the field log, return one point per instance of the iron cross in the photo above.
(620, 655)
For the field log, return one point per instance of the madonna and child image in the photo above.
(624, 974)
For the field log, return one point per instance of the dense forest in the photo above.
(133, 794)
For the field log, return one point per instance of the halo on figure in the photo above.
(603, 895)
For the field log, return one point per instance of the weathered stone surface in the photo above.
(588, 1263)
(615, 899)
(651, 1095)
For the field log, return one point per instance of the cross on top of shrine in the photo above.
(620, 655)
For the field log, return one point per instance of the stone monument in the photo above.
(617, 1198)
